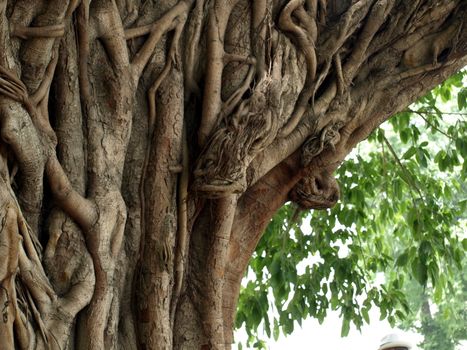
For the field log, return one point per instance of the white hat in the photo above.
(392, 341)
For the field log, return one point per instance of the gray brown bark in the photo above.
(146, 145)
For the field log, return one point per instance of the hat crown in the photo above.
(394, 340)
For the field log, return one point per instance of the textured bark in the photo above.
(145, 145)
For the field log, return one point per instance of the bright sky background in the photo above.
(313, 336)
(327, 336)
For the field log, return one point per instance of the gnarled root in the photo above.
(328, 137)
(9, 246)
(317, 190)
(221, 169)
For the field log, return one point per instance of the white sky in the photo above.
(313, 336)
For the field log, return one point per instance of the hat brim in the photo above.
(394, 344)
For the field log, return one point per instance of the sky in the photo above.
(327, 336)
(313, 336)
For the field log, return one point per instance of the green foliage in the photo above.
(401, 215)
(442, 319)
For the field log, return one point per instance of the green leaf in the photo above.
(464, 241)
(419, 271)
(462, 99)
(275, 331)
(345, 327)
(402, 259)
(400, 315)
(404, 135)
(461, 145)
(365, 315)
(421, 158)
(445, 94)
(438, 294)
(411, 151)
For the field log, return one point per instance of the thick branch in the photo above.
(254, 211)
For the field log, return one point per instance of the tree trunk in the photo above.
(145, 145)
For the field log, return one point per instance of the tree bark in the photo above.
(146, 145)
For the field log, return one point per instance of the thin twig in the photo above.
(431, 125)
(440, 112)
(403, 168)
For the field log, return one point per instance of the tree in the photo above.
(442, 322)
(402, 216)
(146, 145)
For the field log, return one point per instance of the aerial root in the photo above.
(358, 55)
(191, 57)
(182, 225)
(44, 87)
(81, 209)
(229, 105)
(172, 19)
(212, 101)
(52, 31)
(215, 269)
(11, 86)
(339, 75)
(305, 36)
(172, 60)
(329, 137)
(316, 190)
